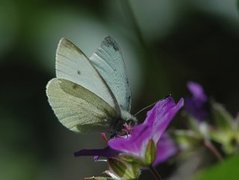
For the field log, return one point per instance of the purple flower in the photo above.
(197, 104)
(105, 152)
(165, 149)
(151, 130)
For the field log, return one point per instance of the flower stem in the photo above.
(126, 5)
(147, 51)
(213, 149)
(155, 173)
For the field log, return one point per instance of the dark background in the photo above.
(165, 44)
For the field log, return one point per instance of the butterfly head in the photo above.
(123, 124)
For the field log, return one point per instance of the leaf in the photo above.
(131, 159)
(187, 139)
(123, 169)
(221, 116)
(150, 153)
(226, 170)
(117, 166)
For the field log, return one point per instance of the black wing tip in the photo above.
(109, 41)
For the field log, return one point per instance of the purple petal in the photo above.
(159, 117)
(197, 109)
(165, 149)
(197, 91)
(157, 120)
(132, 144)
(106, 152)
(197, 104)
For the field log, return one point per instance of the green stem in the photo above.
(213, 149)
(147, 52)
(126, 5)
(155, 173)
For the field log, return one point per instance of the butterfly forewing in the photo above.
(109, 62)
(73, 65)
(78, 108)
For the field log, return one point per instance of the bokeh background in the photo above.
(165, 43)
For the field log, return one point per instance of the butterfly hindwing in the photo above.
(78, 108)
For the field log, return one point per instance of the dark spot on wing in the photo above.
(78, 72)
(128, 98)
(108, 41)
(127, 81)
(74, 86)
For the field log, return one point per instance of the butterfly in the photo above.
(90, 93)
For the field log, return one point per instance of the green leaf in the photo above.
(117, 166)
(229, 139)
(193, 123)
(150, 153)
(124, 169)
(131, 159)
(221, 116)
(226, 170)
(187, 139)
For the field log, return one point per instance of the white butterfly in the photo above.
(90, 93)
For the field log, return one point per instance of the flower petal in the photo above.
(197, 91)
(106, 152)
(197, 104)
(165, 149)
(157, 120)
(159, 117)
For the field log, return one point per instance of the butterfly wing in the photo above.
(109, 62)
(73, 65)
(79, 96)
(77, 108)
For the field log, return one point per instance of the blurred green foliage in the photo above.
(165, 43)
(221, 171)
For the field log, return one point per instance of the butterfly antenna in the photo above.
(145, 108)
(150, 105)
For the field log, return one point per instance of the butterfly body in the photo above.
(90, 93)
